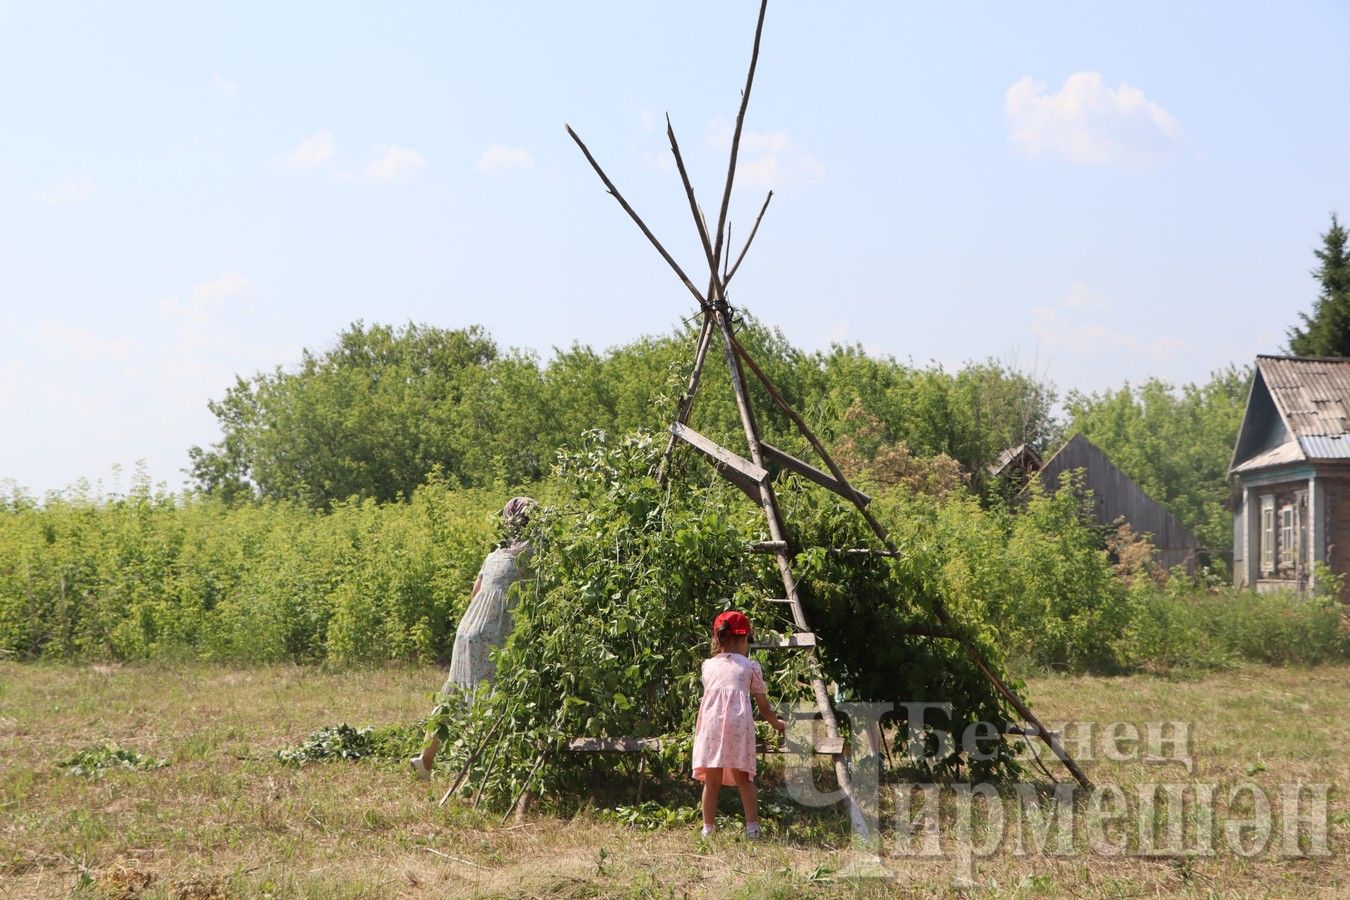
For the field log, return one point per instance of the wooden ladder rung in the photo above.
(612, 744)
(1026, 731)
(767, 546)
(823, 747)
(776, 600)
(800, 639)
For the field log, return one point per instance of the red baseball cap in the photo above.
(737, 623)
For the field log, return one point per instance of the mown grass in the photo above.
(226, 819)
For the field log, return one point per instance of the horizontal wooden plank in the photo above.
(612, 744)
(767, 546)
(800, 639)
(719, 454)
(776, 600)
(810, 472)
(1029, 731)
(824, 746)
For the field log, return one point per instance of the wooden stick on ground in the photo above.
(473, 757)
(524, 788)
(487, 772)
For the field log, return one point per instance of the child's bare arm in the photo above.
(766, 710)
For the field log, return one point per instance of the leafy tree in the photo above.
(376, 414)
(371, 417)
(1327, 331)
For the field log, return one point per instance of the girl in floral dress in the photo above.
(486, 623)
(724, 738)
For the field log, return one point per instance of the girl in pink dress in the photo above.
(724, 738)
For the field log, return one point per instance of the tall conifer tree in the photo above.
(1327, 331)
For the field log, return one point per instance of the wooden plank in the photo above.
(743, 484)
(825, 746)
(776, 600)
(811, 473)
(767, 546)
(800, 639)
(719, 454)
(612, 744)
(1022, 731)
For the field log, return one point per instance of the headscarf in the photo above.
(515, 515)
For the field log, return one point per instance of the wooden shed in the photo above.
(1292, 467)
(1115, 496)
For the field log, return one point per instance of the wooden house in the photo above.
(1292, 468)
(1115, 496)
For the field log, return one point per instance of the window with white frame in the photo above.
(1288, 555)
(1267, 534)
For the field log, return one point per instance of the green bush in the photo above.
(156, 576)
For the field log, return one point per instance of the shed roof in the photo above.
(1024, 453)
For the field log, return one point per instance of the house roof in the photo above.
(1010, 454)
(1311, 395)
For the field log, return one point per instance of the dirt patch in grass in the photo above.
(225, 818)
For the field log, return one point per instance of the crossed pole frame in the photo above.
(751, 475)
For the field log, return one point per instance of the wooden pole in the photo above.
(726, 279)
(777, 534)
(686, 405)
(736, 135)
(632, 214)
(938, 607)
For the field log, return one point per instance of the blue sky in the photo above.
(189, 191)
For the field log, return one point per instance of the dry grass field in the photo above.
(225, 819)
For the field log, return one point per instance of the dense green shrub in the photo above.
(155, 576)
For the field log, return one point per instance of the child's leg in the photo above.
(749, 797)
(712, 786)
(429, 751)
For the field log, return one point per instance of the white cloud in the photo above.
(314, 151)
(1081, 296)
(768, 159)
(224, 87)
(392, 163)
(1065, 326)
(1088, 122)
(64, 342)
(70, 190)
(204, 342)
(206, 298)
(498, 158)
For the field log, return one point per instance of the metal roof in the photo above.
(1313, 397)
(1326, 446)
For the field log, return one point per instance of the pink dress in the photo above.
(724, 737)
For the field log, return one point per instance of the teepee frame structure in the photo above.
(751, 475)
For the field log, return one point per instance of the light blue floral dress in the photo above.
(487, 622)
